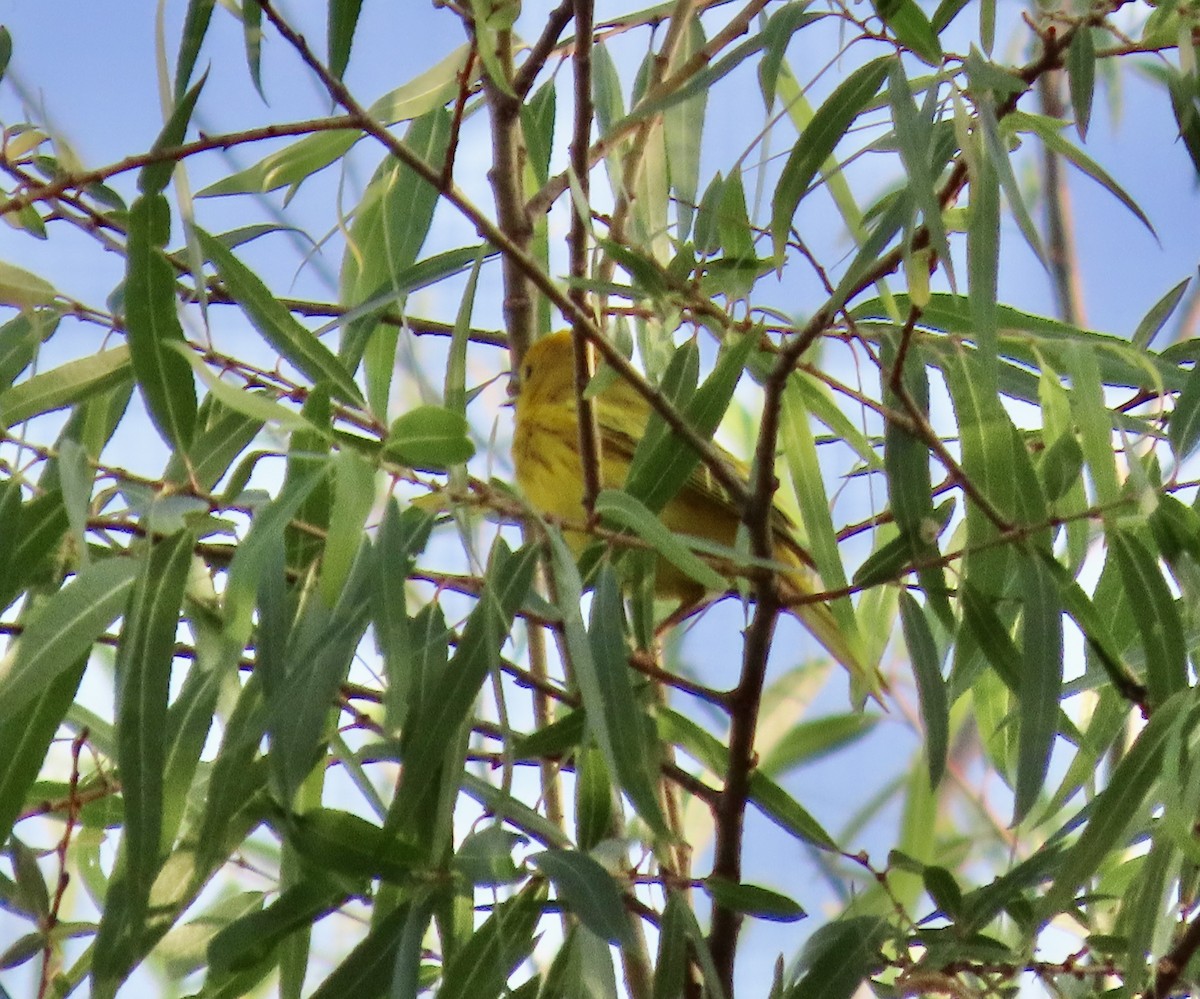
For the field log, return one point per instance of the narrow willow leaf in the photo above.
(769, 797)
(195, 27)
(401, 537)
(1041, 681)
(155, 176)
(910, 487)
(342, 842)
(931, 686)
(27, 737)
(809, 741)
(370, 968)
(252, 42)
(997, 152)
(1115, 808)
(911, 28)
(660, 466)
(24, 289)
(1156, 614)
(1159, 313)
(808, 484)
(353, 497)
(839, 956)
(683, 127)
(222, 435)
(292, 165)
(152, 324)
(257, 935)
(671, 966)
(1095, 424)
(296, 344)
(390, 226)
(913, 131)
(828, 127)
(143, 668)
(615, 715)
(627, 513)
(589, 892)
(259, 406)
(1184, 428)
(481, 966)
(753, 900)
(439, 718)
(1081, 75)
(318, 655)
(1049, 130)
(986, 434)
(343, 19)
(20, 338)
(65, 385)
(62, 630)
(983, 261)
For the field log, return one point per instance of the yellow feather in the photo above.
(549, 472)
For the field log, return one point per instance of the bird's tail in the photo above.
(865, 678)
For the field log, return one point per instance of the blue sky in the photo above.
(88, 71)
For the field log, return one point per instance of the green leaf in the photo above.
(1041, 681)
(143, 667)
(601, 662)
(627, 513)
(429, 438)
(252, 939)
(752, 900)
(818, 141)
(1156, 614)
(318, 656)
(839, 956)
(27, 737)
(1115, 808)
(589, 892)
(378, 961)
(20, 338)
(343, 19)
(61, 631)
(436, 717)
(931, 686)
(996, 149)
(480, 967)
(1081, 75)
(24, 289)
(337, 841)
(660, 466)
(683, 127)
(295, 163)
(298, 345)
(353, 497)
(911, 28)
(155, 176)
(152, 324)
(195, 27)
(1159, 313)
(65, 385)
(1184, 428)
(914, 136)
(252, 41)
(390, 226)
(1049, 131)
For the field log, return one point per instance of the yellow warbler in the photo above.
(546, 456)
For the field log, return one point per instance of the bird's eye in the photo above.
(526, 372)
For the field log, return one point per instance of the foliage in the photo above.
(305, 672)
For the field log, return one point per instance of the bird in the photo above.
(549, 473)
